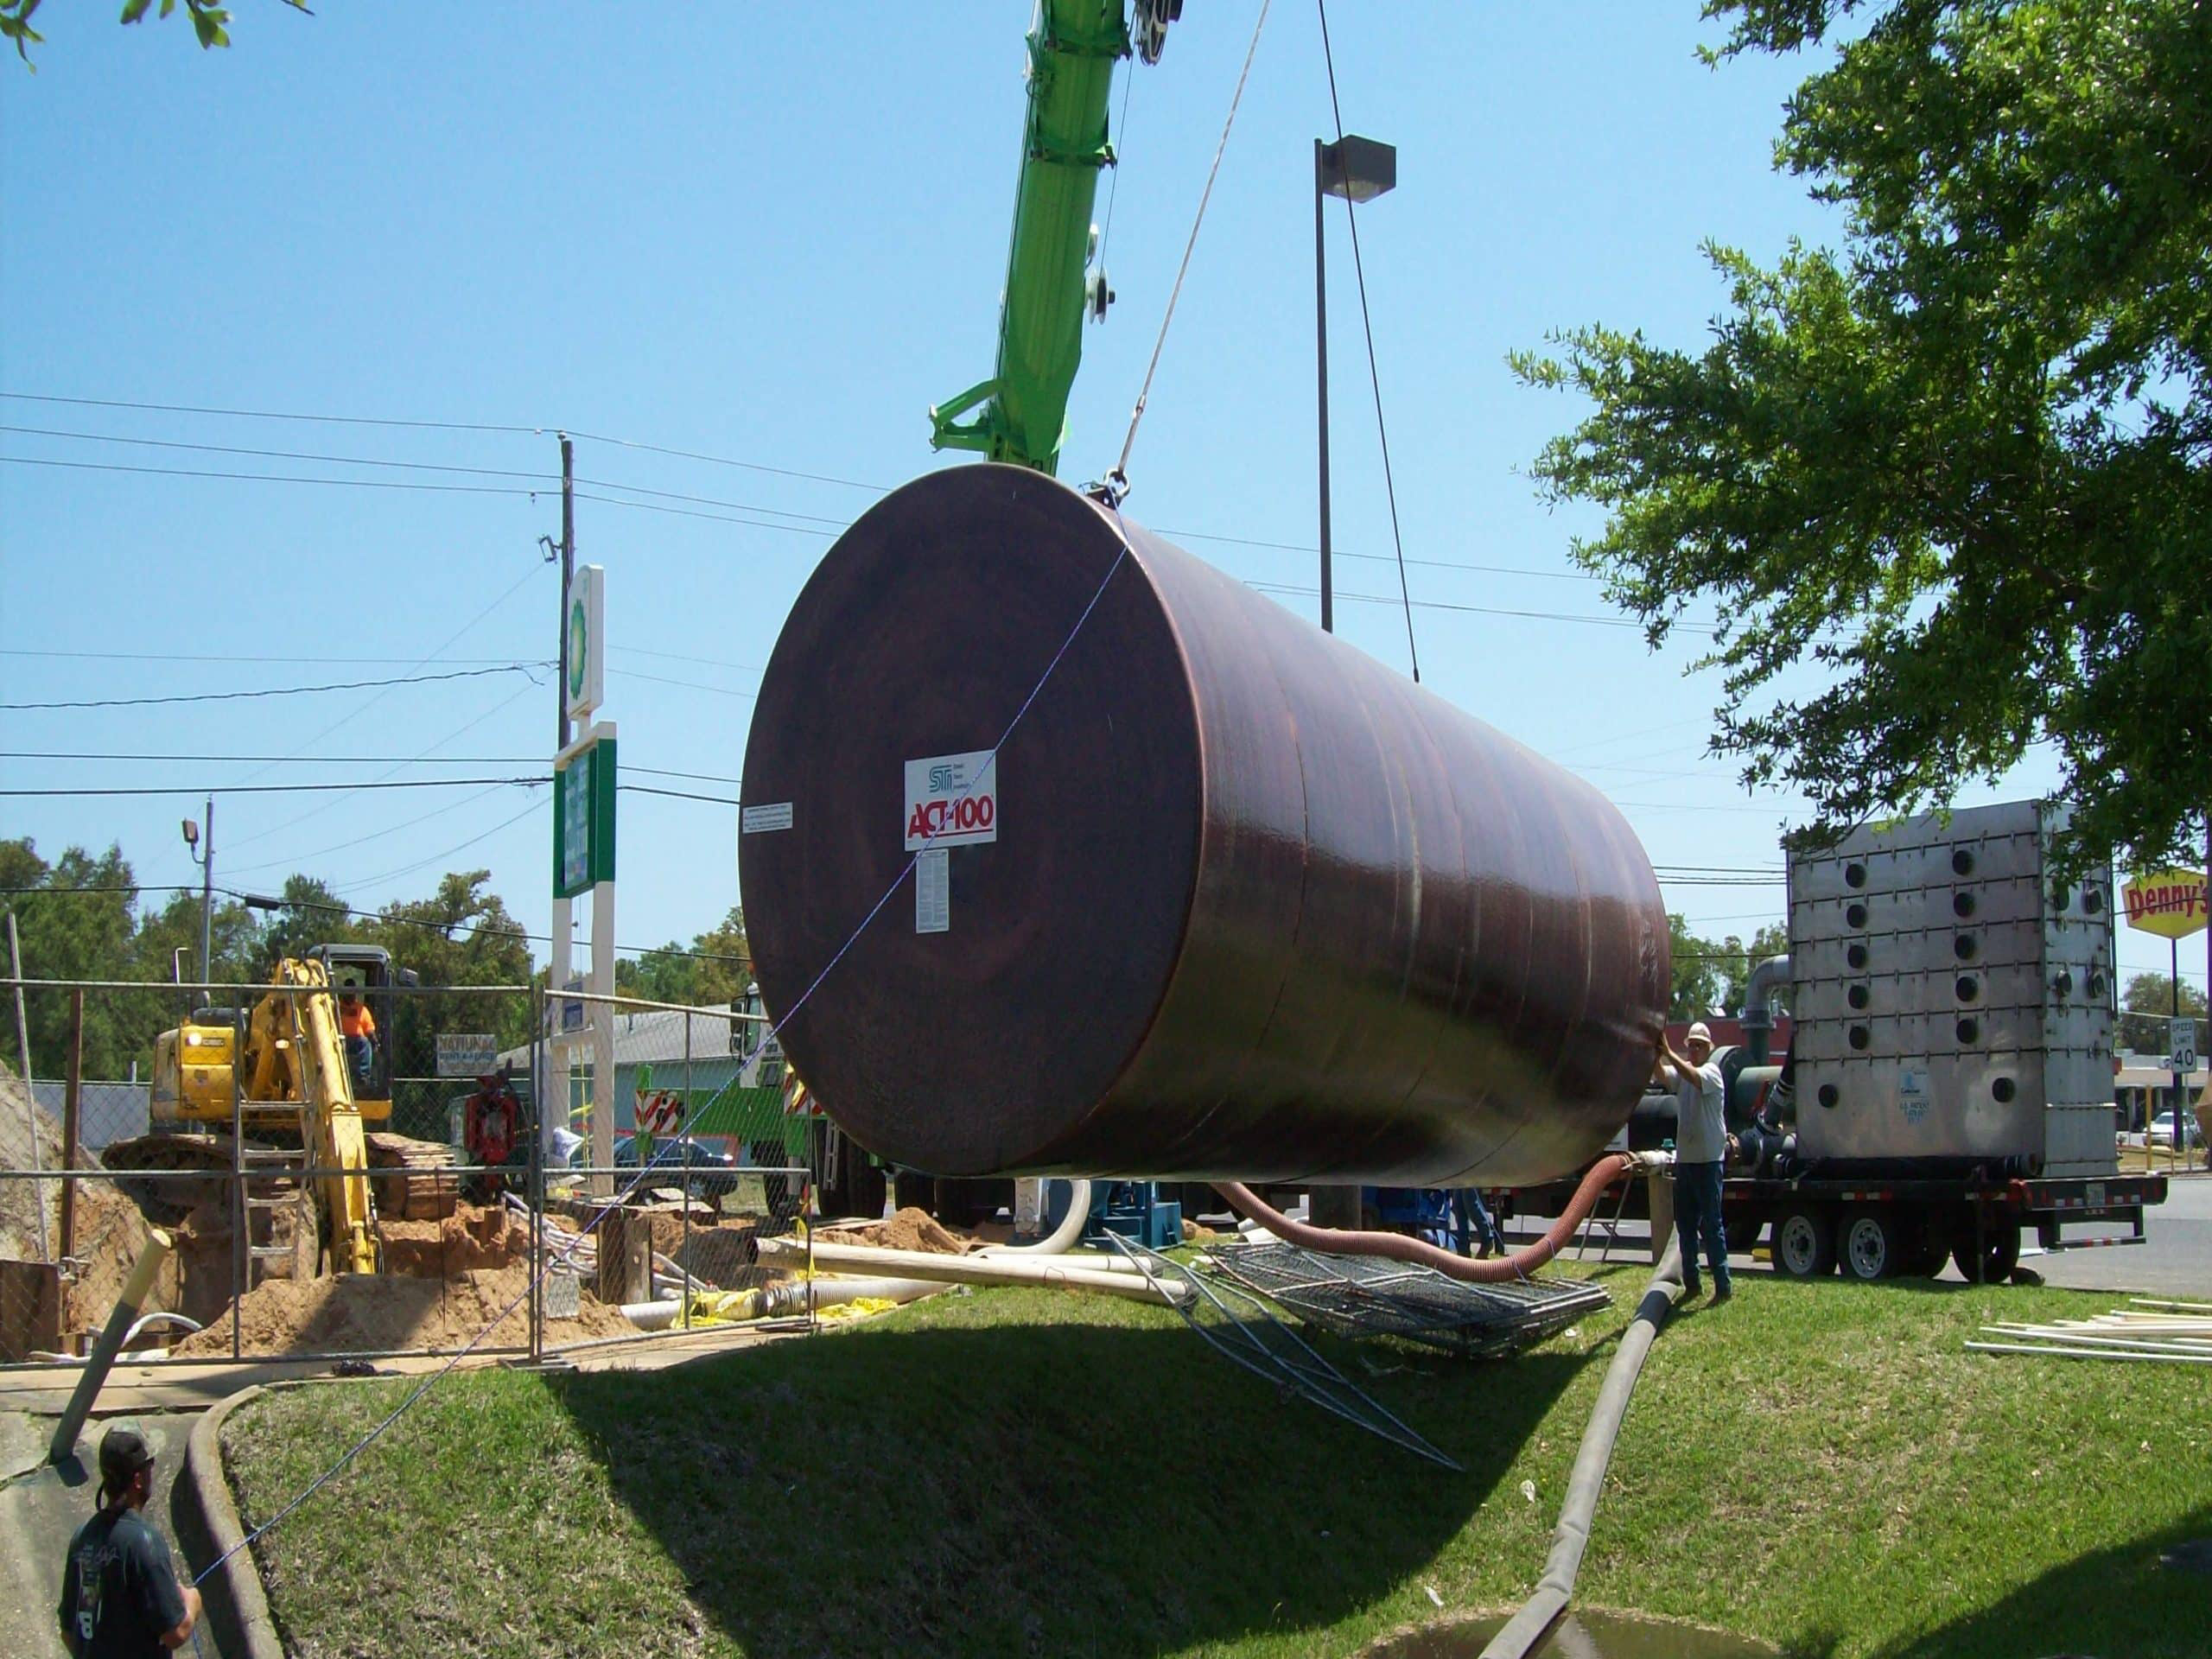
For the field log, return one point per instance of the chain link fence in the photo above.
(705, 1153)
(474, 1112)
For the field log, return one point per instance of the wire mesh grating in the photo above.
(1365, 1296)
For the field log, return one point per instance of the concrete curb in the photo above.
(207, 1526)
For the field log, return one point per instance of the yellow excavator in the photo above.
(275, 1094)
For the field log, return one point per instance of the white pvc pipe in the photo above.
(1062, 1239)
(793, 1296)
(651, 1316)
(145, 1319)
(962, 1269)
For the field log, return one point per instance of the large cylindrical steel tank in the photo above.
(1234, 901)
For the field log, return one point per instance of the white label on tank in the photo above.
(1912, 1093)
(933, 891)
(755, 819)
(952, 800)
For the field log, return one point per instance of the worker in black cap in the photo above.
(120, 1597)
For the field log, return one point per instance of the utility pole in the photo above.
(568, 570)
(553, 1091)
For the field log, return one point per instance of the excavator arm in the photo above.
(330, 1120)
(1020, 414)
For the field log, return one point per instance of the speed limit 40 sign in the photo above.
(2184, 1046)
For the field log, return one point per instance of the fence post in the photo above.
(538, 1009)
(72, 1107)
(241, 1240)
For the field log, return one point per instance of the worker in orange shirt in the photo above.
(358, 1027)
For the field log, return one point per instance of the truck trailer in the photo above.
(1946, 1087)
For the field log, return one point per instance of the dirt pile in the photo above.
(473, 1238)
(111, 1231)
(910, 1229)
(21, 1120)
(376, 1313)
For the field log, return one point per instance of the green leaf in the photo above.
(135, 10)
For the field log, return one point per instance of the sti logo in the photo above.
(943, 778)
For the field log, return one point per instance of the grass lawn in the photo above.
(1015, 1472)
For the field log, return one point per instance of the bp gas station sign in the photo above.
(583, 815)
(584, 641)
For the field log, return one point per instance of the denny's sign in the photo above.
(2169, 903)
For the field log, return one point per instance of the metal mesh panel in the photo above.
(1364, 1296)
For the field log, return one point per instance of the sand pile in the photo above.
(910, 1229)
(19, 1120)
(376, 1312)
(473, 1237)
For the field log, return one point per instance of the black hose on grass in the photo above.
(1526, 1628)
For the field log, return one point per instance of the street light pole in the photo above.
(202, 849)
(1321, 368)
(207, 895)
(1358, 169)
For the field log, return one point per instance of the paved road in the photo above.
(2176, 1261)
(40, 1510)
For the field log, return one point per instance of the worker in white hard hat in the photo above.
(1701, 1147)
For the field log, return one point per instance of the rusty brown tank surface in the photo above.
(1253, 906)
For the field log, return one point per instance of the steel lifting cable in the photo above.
(1374, 374)
(432, 1380)
(1117, 482)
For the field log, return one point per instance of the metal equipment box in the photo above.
(1953, 1000)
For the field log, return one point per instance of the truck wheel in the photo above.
(1804, 1245)
(1998, 1255)
(1871, 1244)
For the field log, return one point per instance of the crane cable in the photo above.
(1374, 375)
(1116, 484)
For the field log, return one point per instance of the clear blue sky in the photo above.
(775, 235)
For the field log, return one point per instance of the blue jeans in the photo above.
(1697, 1218)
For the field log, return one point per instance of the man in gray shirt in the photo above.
(1700, 1144)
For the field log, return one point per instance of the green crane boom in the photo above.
(1020, 414)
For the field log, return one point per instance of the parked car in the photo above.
(2162, 1131)
(699, 1169)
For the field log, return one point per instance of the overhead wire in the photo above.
(283, 691)
(275, 477)
(1375, 374)
(1119, 478)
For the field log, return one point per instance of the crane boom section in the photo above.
(1019, 415)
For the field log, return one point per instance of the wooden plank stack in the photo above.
(2152, 1330)
(421, 1184)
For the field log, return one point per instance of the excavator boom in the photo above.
(1019, 415)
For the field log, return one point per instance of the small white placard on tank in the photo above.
(933, 891)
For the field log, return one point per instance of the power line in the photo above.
(270, 415)
(351, 759)
(1481, 610)
(273, 478)
(1383, 558)
(229, 657)
(342, 909)
(440, 857)
(689, 685)
(676, 794)
(281, 789)
(280, 454)
(705, 501)
(286, 690)
(693, 513)
(432, 426)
